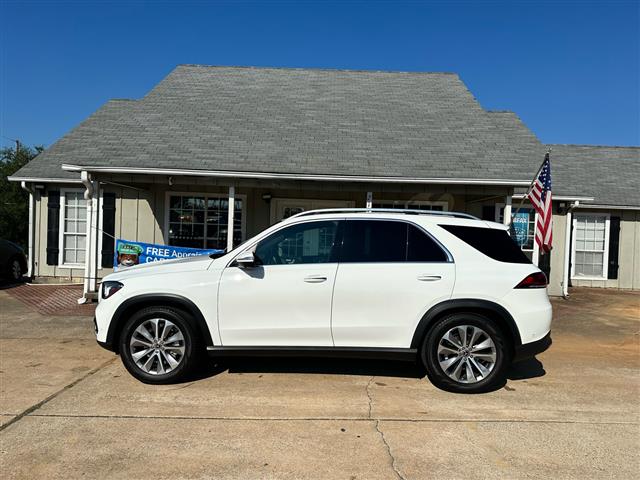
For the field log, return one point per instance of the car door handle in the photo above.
(429, 278)
(315, 279)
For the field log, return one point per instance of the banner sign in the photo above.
(128, 253)
(521, 227)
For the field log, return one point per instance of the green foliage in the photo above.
(14, 201)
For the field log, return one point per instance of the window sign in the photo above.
(520, 227)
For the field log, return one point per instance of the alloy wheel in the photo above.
(467, 354)
(157, 346)
(16, 270)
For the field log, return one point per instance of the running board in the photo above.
(401, 354)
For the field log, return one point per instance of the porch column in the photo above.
(506, 217)
(91, 246)
(30, 241)
(232, 205)
(369, 199)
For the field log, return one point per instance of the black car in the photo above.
(12, 260)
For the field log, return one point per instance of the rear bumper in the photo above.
(529, 350)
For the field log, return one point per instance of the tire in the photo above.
(149, 357)
(14, 269)
(447, 358)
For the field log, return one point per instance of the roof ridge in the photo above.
(316, 69)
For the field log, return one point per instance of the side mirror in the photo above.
(245, 260)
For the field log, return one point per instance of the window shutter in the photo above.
(53, 227)
(614, 244)
(489, 213)
(544, 263)
(108, 228)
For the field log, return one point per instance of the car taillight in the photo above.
(535, 280)
(109, 288)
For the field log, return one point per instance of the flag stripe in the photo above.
(541, 199)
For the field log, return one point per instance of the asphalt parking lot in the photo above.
(69, 410)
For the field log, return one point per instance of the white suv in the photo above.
(447, 289)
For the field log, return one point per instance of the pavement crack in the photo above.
(38, 405)
(381, 433)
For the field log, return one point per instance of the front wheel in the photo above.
(158, 345)
(466, 353)
(14, 269)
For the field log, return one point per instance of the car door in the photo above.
(285, 299)
(390, 273)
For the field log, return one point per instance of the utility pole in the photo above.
(17, 147)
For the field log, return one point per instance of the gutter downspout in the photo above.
(567, 250)
(30, 241)
(85, 177)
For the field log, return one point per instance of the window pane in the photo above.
(69, 256)
(306, 243)
(494, 243)
(70, 226)
(422, 248)
(374, 241)
(69, 241)
(80, 256)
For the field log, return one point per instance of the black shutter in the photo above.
(544, 263)
(108, 228)
(489, 213)
(53, 227)
(614, 247)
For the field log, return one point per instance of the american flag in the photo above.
(540, 197)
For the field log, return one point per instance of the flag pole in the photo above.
(526, 195)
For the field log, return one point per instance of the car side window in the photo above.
(311, 242)
(379, 241)
(368, 241)
(422, 248)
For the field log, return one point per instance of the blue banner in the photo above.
(128, 253)
(521, 227)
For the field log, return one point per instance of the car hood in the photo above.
(188, 264)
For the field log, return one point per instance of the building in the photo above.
(213, 150)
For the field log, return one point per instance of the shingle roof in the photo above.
(609, 174)
(326, 122)
(80, 142)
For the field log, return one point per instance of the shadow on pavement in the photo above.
(526, 369)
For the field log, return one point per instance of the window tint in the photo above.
(374, 241)
(496, 244)
(422, 248)
(380, 241)
(311, 242)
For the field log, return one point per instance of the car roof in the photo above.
(423, 217)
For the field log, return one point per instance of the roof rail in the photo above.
(406, 211)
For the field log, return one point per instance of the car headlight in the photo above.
(109, 288)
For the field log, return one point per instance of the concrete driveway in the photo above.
(69, 410)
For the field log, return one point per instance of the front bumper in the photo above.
(106, 345)
(529, 350)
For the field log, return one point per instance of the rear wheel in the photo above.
(158, 345)
(466, 352)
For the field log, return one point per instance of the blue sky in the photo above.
(569, 69)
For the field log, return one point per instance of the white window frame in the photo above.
(167, 198)
(535, 251)
(407, 203)
(605, 253)
(98, 211)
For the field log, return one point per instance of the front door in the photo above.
(285, 300)
(390, 274)
(282, 208)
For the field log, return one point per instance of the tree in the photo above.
(14, 201)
